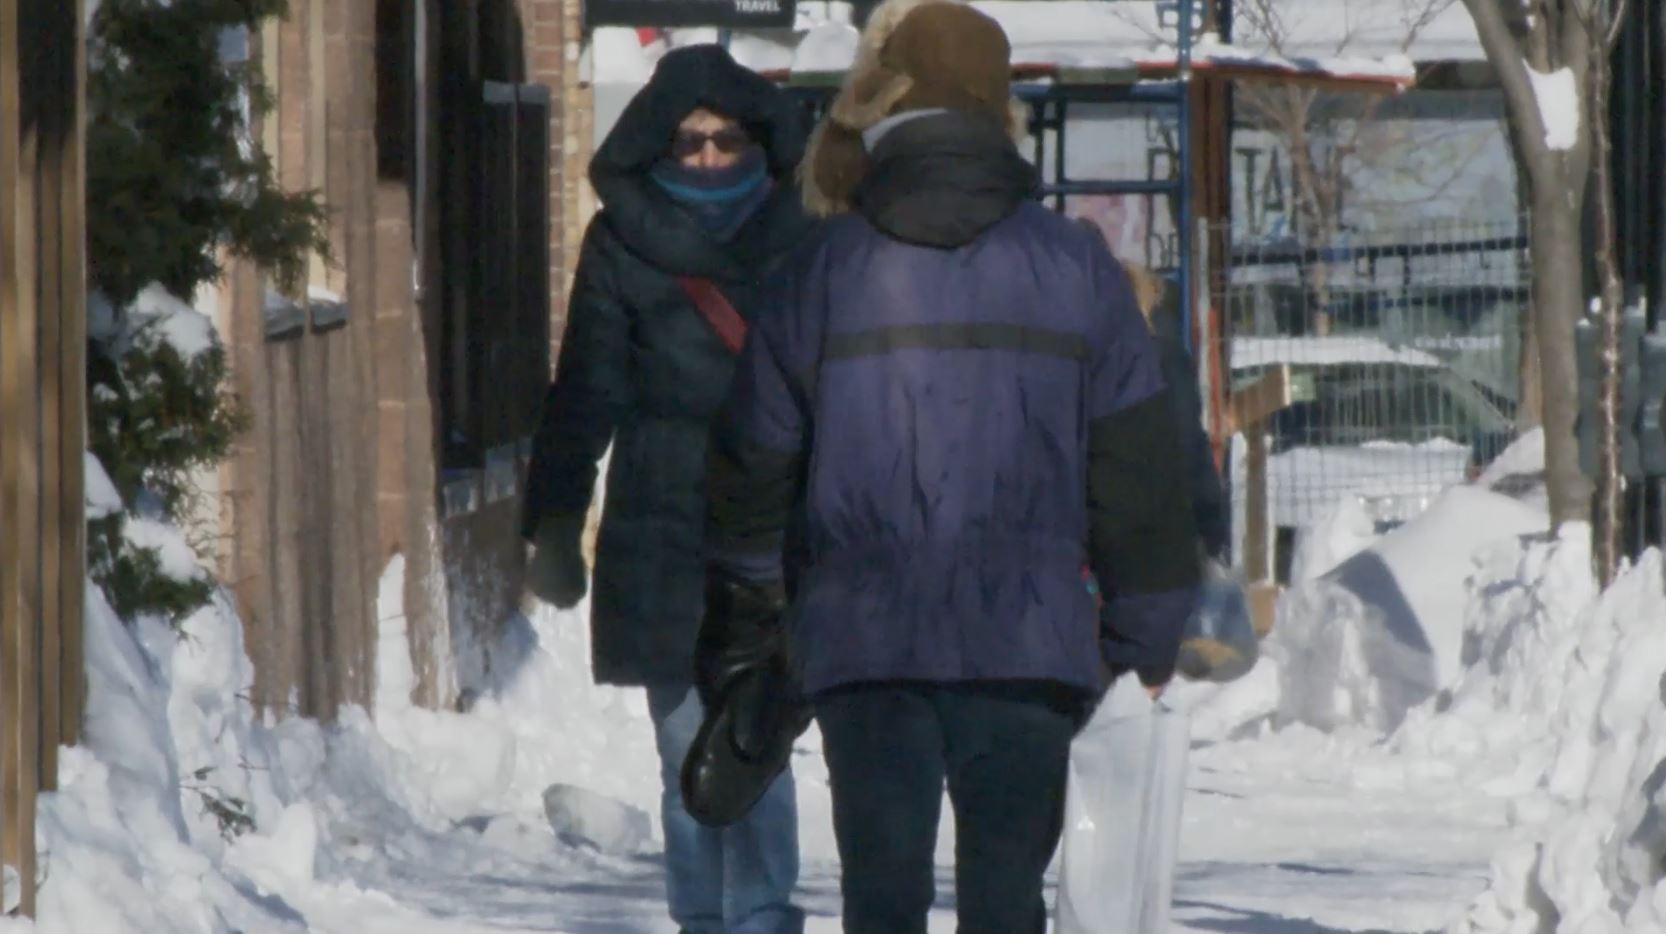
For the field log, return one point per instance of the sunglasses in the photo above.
(729, 141)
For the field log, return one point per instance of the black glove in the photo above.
(556, 573)
(740, 632)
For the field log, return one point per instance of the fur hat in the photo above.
(913, 55)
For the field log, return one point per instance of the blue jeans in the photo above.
(737, 879)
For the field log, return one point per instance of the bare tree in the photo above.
(1327, 135)
(1536, 46)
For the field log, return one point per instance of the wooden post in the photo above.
(1257, 560)
(42, 412)
(72, 372)
(1250, 409)
(20, 550)
(48, 295)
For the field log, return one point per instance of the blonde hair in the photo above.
(1148, 289)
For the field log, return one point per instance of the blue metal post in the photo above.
(1184, 158)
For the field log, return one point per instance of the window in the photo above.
(496, 328)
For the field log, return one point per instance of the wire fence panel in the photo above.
(1403, 350)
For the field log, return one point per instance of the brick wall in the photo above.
(339, 471)
(303, 483)
(554, 37)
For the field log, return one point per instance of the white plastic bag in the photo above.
(1122, 815)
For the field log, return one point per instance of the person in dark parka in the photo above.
(956, 384)
(695, 182)
(1210, 507)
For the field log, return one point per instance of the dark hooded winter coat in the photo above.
(959, 385)
(642, 369)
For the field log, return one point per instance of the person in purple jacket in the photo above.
(956, 398)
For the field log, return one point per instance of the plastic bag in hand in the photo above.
(1122, 815)
(1219, 642)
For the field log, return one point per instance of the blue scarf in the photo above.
(721, 200)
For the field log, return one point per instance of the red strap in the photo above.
(722, 316)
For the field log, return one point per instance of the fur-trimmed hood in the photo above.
(875, 88)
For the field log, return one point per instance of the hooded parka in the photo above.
(642, 370)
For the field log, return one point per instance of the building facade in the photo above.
(393, 402)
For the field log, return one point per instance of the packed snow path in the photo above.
(1290, 834)
(1286, 832)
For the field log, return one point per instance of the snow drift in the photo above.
(1574, 696)
(1474, 644)
(184, 810)
(1381, 631)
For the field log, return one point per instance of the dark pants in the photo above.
(1001, 748)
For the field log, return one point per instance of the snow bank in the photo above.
(132, 840)
(184, 810)
(542, 723)
(1593, 825)
(1381, 632)
(1492, 658)
(1524, 457)
(1529, 647)
(1345, 531)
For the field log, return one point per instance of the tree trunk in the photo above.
(1610, 483)
(1558, 301)
(1530, 407)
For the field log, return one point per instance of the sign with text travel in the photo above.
(733, 14)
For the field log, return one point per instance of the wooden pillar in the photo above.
(1211, 200)
(1250, 409)
(42, 411)
(19, 442)
(71, 88)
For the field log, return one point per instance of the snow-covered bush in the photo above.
(173, 187)
(158, 412)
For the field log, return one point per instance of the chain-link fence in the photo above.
(1401, 353)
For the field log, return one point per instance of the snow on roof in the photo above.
(1128, 35)
(1358, 40)
(1248, 352)
(1396, 68)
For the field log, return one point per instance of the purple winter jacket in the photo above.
(953, 389)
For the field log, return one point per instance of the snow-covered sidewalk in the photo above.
(1299, 833)
(1468, 738)
(1304, 833)
(424, 822)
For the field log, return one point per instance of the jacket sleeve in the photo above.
(590, 393)
(760, 441)
(1142, 537)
